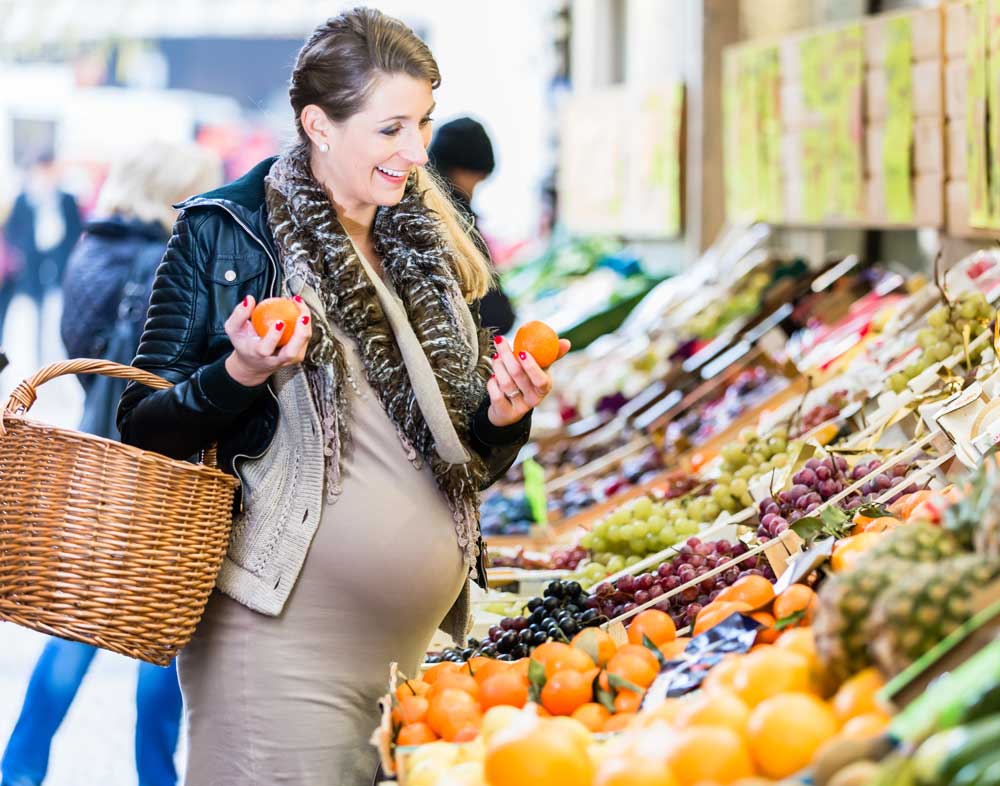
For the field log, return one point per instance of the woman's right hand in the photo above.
(255, 358)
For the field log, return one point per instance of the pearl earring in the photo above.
(324, 147)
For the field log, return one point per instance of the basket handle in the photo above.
(25, 394)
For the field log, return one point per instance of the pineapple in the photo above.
(925, 604)
(975, 521)
(845, 605)
(918, 542)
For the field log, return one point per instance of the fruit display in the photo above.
(744, 301)
(822, 479)
(950, 328)
(701, 423)
(579, 495)
(506, 514)
(821, 413)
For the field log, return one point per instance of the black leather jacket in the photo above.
(221, 251)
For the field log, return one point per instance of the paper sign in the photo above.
(897, 141)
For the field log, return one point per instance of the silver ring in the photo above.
(512, 396)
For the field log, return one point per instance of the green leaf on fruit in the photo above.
(620, 683)
(873, 511)
(587, 642)
(649, 645)
(831, 522)
(536, 680)
(603, 697)
(791, 620)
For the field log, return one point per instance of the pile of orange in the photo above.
(754, 596)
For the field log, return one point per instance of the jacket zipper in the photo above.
(274, 280)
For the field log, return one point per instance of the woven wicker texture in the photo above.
(102, 542)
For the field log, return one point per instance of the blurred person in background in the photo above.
(106, 291)
(43, 226)
(461, 152)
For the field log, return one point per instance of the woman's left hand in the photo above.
(518, 384)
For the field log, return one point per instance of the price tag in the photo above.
(534, 491)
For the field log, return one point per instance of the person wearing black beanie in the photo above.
(461, 152)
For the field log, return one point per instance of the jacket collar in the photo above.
(243, 199)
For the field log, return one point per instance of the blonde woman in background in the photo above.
(106, 293)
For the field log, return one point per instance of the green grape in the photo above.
(757, 459)
(781, 432)
(600, 544)
(938, 317)
(939, 351)
(744, 474)
(587, 541)
(897, 383)
(780, 460)
(656, 522)
(739, 487)
(926, 338)
(734, 455)
(632, 561)
(748, 434)
(652, 540)
(911, 371)
(642, 507)
(967, 309)
(688, 529)
(721, 494)
(637, 546)
(746, 499)
(767, 466)
(616, 563)
(712, 511)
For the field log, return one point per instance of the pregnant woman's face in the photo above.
(373, 152)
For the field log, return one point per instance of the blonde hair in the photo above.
(336, 70)
(146, 182)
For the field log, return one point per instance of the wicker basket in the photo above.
(102, 542)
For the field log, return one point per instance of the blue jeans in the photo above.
(53, 685)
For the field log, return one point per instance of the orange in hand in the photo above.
(538, 340)
(272, 310)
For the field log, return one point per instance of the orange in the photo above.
(767, 634)
(716, 708)
(800, 641)
(627, 701)
(860, 522)
(473, 665)
(882, 524)
(272, 310)
(592, 715)
(716, 612)
(412, 688)
(538, 754)
(619, 722)
(503, 687)
(415, 734)
(723, 673)
(796, 598)
(459, 681)
(631, 667)
(673, 649)
(786, 730)
(466, 733)
(520, 666)
(435, 671)
(847, 551)
(708, 754)
(633, 771)
(451, 711)
(413, 709)
(755, 590)
(538, 340)
(556, 656)
(566, 691)
(857, 695)
(489, 669)
(641, 651)
(904, 506)
(768, 671)
(656, 625)
(598, 645)
(866, 726)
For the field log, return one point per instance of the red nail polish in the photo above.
(497, 340)
(246, 302)
(493, 356)
(305, 319)
(522, 355)
(297, 298)
(279, 325)
(493, 376)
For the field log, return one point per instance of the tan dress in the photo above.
(292, 699)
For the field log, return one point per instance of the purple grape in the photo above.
(739, 548)
(723, 547)
(645, 581)
(730, 575)
(779, 528)
(628, 607)
(642, 596)
(697, 561)
(506, 624)
(752, 572)
(749, 562)
(900, 470)
(688, 595)
(798, 490)
(824, 473)
(772, 507)
(666, 569)
(519, 623)
(911, 489)
(882, 482)
(704, 549)
(664, 606)
(655, 591)
(811, 507)
(672, 582)
(813, 464)
(626, 583)
(702, 600)
(618, 611)
(692, 612)
(712, 562)
(604, 589)
(841, 463)
(763, 537)
(796, 515)
(768, 573)
(767, 519)
(806, 477)
(785, 497)
(685, 574)
(694, 543)
(708, 584)
(714, 594)
(495, 632)
(858, 472)
(592, 602)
